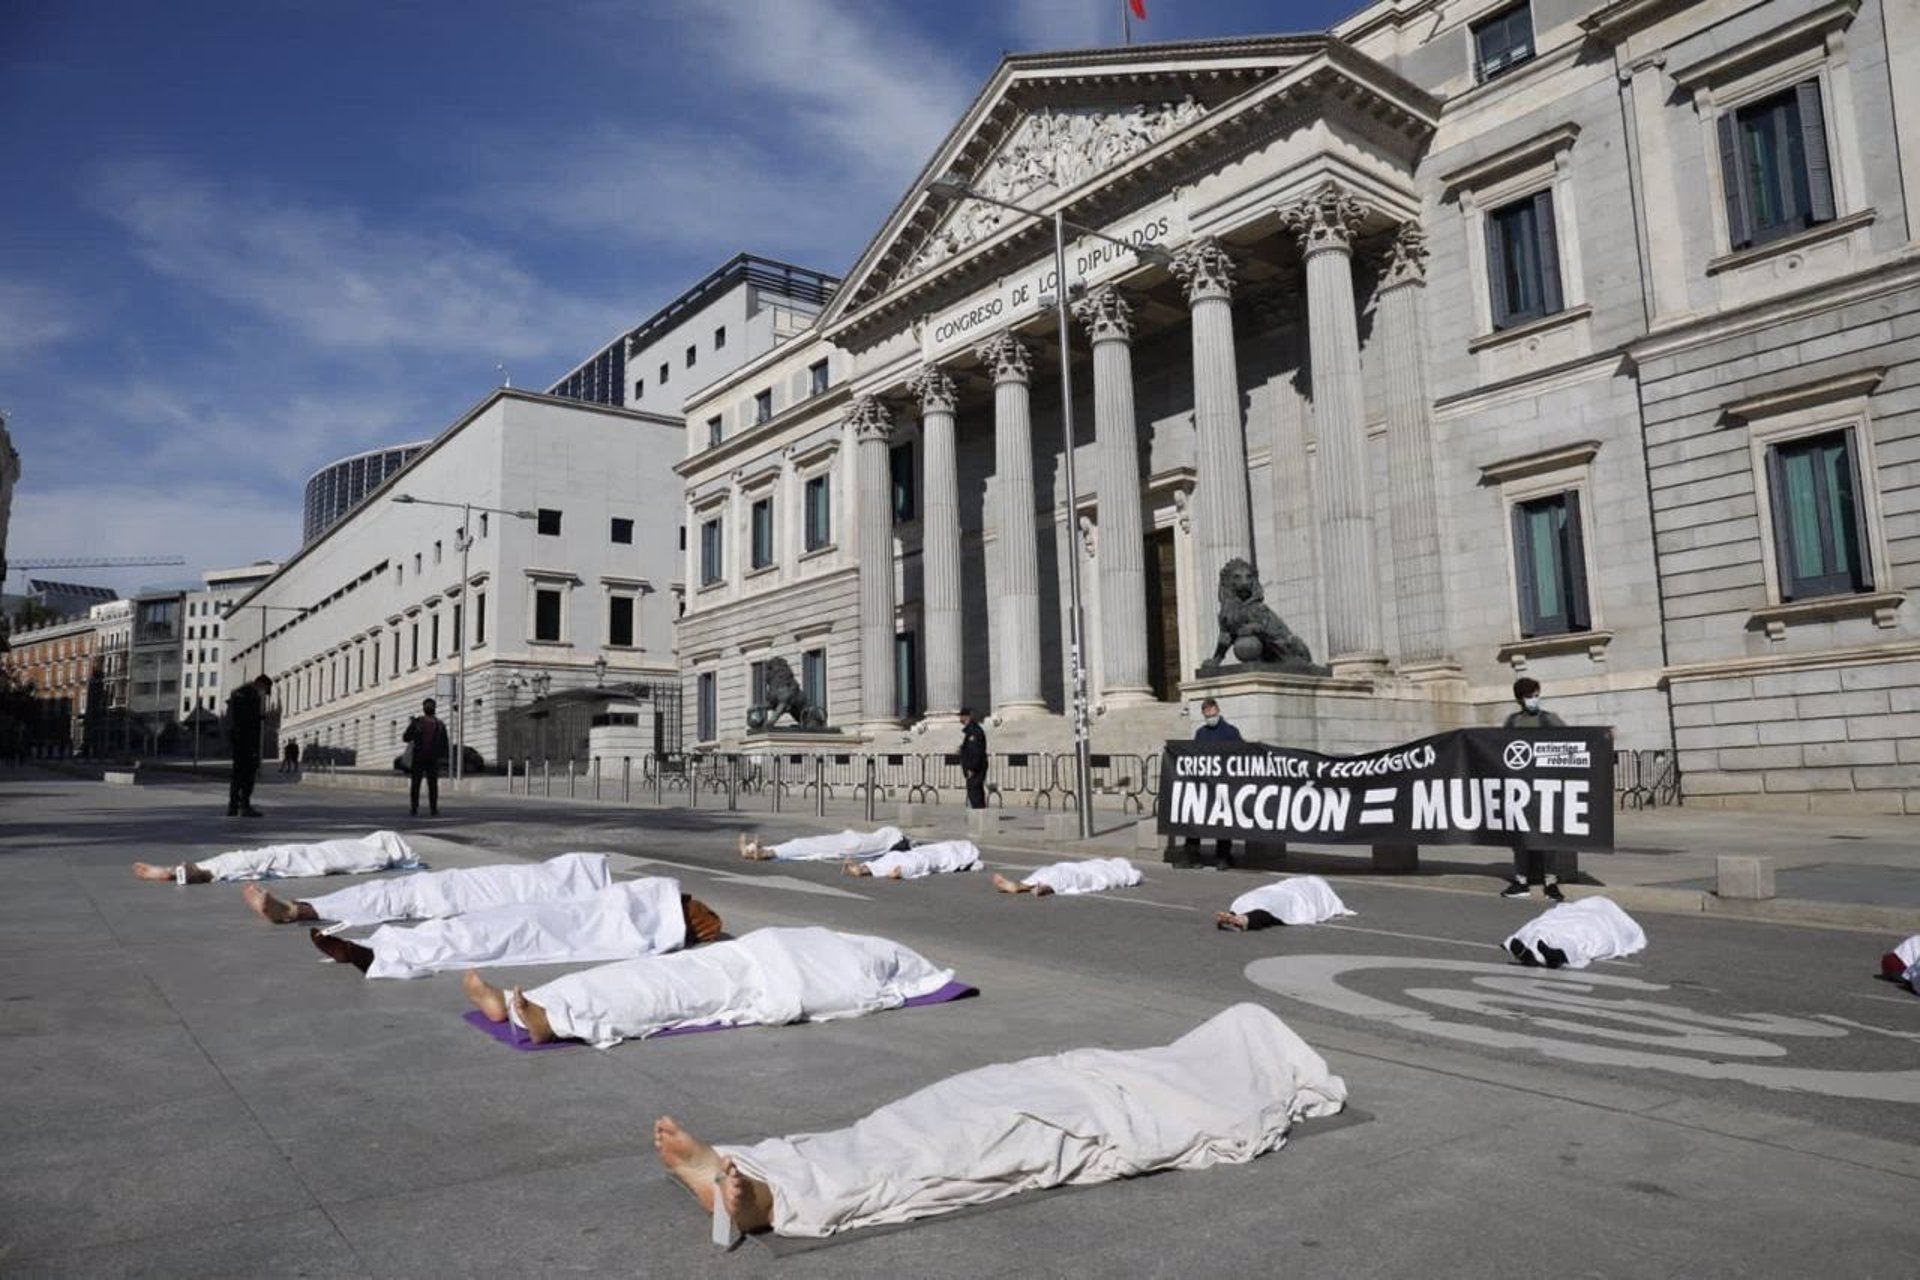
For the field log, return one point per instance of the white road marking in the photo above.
(1867, 1026)
(1315, 980)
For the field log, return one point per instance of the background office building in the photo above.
(339, 487)
(1568, 339)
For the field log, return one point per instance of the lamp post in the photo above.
(953, 186)
(466, 510)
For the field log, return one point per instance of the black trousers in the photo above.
(431, 775)
(240, 782)
(1534, 865)
(1222, 851)
(976, 788)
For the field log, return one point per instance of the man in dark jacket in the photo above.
(1214, 728)
(1532, 866)
(429, 739)
(246, 720)
(973, 758)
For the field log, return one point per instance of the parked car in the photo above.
(475, 763)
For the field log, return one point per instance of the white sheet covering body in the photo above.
(767, 978)
(381, 851)
(1909, 953)
(435, 895)
(1089, 876)
(837, 847)
(1588, 930)
(632, 918)
(927, 859)
(1301, 900)
(1225, 1092)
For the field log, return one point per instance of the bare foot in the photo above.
(341, 951)
(898, 873)
(1005, 885)
(855, 869)
(747, 845)
(687, 1158)
(749, 1201)
(757, 853)
(532, 1017)
(487, 998)
(275, 910)
(147, 871)
(1228, 920)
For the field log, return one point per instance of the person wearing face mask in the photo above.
(1214, 728)
(1530, 864)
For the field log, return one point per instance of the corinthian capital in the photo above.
(1406, 256)
(1205, 269)
(1105, 314)
(934, 389)
(1327, 219)
(870, 420)
(1007, 357)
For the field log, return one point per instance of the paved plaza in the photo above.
(186, 1090)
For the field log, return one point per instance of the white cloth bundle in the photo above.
(1588, 930)
(1225, 1092)
(927, 859)
(381, 851)
(1909, 953)
(1089, 876)
(437, 894)
(1301, 900)
(769, 977)
(838, 846)
(633, 918)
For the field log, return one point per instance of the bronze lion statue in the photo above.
(785, 697)
(1251, 630)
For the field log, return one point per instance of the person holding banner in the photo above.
(1214, 727)
(1531, 865)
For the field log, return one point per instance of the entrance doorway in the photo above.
(1163, 617)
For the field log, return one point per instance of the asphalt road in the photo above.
(186, 1089)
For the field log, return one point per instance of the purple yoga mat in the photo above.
(505, 1032)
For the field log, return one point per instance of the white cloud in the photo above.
(32, 317)
(1040, 25)
(332, 277)
(212, 525)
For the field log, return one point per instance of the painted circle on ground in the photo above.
(1638, 1032)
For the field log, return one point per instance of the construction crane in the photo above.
(93, 562)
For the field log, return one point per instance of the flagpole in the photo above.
(1126, 19)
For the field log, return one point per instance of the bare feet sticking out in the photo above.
(855, 869)
(692, 1161)
(532, 1017)
(275, 910)
(484, 996)
(1005, 885)
(342, 951)
(147, 871)
(1229, 920)
(749, 1201)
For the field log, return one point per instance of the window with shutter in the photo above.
(1523, 261)
(1550, 570)
(1819, 521)
(1774, 166)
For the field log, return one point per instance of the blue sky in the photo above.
(242, 239)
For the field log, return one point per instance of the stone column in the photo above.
(940, 541)
(1122, 545)
(1325, 223)
(872, 429)
(1420, 599)
(1223, 509)
(1017, 641)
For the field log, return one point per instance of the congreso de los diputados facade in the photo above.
(1464, 341)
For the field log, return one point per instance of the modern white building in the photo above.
(203, 640)
(1571, 339)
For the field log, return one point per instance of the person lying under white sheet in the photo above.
(434, 895)
(1575, 934)
(1300, 900)
(1224, 1093)
(1902, 964)
(837, 847)
(1092, 875)
(381, 851)
(632, 918)
(920, 860)
(767, 978)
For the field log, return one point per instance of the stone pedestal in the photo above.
(1743, 876)
(1331, 714)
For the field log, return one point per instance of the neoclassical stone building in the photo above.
(1570, 339)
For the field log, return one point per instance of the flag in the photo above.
(1139, 8)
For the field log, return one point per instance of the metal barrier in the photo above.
(1112, 774)
(1645, 779)
(1022, 772)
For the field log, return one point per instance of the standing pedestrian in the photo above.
(246, 720)
(973, 758)
(290, 757)
(1214, 727)
(428, 739)
(1531, 865)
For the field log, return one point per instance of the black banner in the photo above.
(1552, 788)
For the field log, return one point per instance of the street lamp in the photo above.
(600, 672)
(954, 186)
(465, 544)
